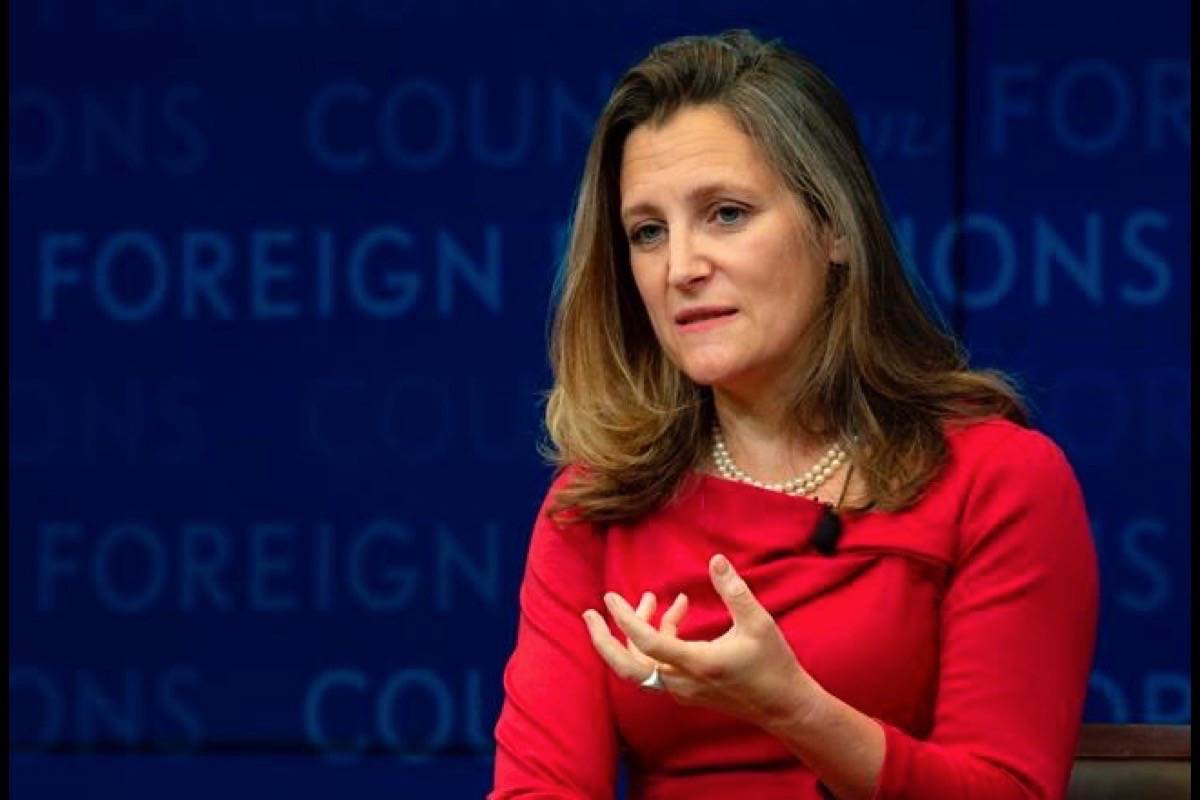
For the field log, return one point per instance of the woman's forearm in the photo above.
(843, 746)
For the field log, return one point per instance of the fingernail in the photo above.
(610, 600)
(721, 565)
(678, 598)
(646, 597)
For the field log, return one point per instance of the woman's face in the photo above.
(712, 229)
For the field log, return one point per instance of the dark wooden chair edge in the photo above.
(1135, 742)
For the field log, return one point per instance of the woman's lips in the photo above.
(707, 323)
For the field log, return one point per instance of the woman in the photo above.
(798, 548)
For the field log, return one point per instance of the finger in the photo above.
(646, 605)
(734, 593)
(669, 624)
(619, 660)
(663, 648)
(645, 611)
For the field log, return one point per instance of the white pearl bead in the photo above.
(804, 484)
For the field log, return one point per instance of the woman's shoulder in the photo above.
(996, 462)
(1011, 492)
(993, 442)
(997, 473)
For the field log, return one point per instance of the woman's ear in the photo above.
(839, 251)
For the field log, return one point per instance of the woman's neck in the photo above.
(762, 437)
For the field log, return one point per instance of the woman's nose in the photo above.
(687, 264)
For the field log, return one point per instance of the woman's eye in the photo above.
(730, 215)
(647, 234)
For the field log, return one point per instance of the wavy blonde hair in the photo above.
(880, 370)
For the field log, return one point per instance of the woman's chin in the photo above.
(710, 375)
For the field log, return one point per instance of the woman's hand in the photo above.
(636, 664)
(749, 671)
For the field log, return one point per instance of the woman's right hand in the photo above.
(638, 664)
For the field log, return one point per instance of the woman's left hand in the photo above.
(749, 671)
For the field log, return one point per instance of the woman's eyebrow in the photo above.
(697, 194)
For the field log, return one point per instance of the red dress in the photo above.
(963, 625)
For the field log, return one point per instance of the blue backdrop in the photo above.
(279, 278)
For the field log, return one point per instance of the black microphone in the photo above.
(829, 529)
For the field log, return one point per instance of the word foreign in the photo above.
(139, 275)
(384, 567)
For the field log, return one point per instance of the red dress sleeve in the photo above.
(555, 736)
(1018, 631)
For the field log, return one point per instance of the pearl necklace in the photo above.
(805, 484)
